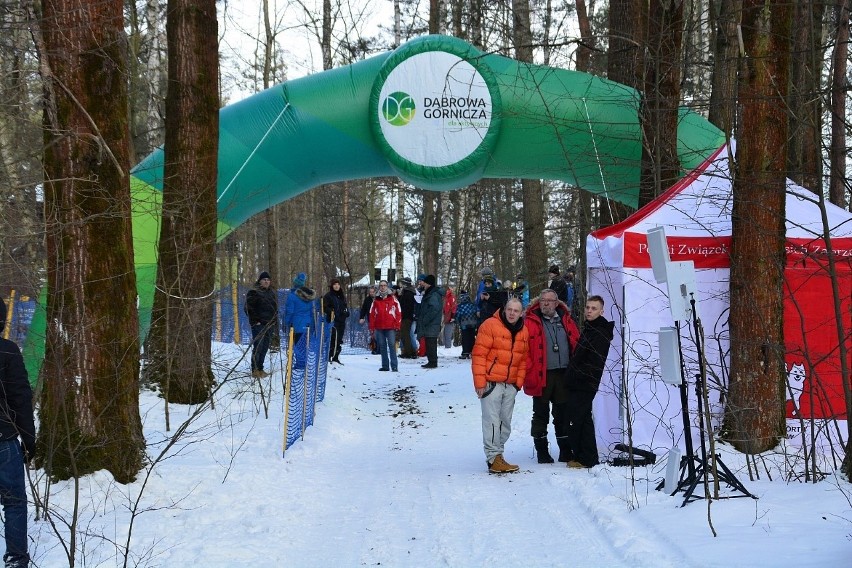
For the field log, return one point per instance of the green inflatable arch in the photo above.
(436, 112)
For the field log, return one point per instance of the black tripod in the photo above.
(695, 469)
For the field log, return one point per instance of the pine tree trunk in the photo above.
(625, 64)
(839, 86)
(534, 246)
(179, 344)
(754, 414)
(804, 157)
(90, 398)
(658, 113)
(726, 48)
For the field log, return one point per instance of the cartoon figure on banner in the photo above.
(796, 376)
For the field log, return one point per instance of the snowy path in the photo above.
(417, 492)
(392, 474)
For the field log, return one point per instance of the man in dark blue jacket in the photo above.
(16, 421)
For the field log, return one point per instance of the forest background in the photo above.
(89, 90)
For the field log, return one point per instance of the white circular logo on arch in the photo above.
(434, 109)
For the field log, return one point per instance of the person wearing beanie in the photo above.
(336, 310)
(488, 281)
(557, 284)
(491, 299)
(429, 319)
(299, 309)
(262, 309)
(17, 441)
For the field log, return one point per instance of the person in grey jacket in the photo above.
(16, 422)
(429, 319)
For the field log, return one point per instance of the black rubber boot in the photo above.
(565, 453)
(541, 450)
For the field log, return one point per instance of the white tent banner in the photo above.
(634, 405)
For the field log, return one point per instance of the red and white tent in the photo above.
(634, 405)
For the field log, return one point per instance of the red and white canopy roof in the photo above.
(696, 214)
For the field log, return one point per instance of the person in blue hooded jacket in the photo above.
(299, 310)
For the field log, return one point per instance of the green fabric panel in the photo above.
(551, 124)
(290, 138)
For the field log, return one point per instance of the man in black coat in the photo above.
(16, 421)
(262, 311)
(583, 380)
(557, 284)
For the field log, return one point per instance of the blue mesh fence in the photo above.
(18, 318)
(225, 322)
(310, 361)
(307, 382)
(358, 335)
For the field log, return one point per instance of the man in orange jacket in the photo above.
(499, 366)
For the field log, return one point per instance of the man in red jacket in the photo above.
(553, 336)
(385, 319)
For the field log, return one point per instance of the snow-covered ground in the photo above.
(392, 473)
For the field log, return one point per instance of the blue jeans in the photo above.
(261, 334)
(13, 496)
(386, 340)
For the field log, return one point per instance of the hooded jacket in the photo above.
(537, 361)
(385, 313)
(499, 356)
(299, 309)
(589, 357)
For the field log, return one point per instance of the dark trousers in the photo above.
(14, 498)
(468, 338)
(336, 343)
(406, 346)
(261, 336)
(431, 350)
(580, 427)
(552, 399)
